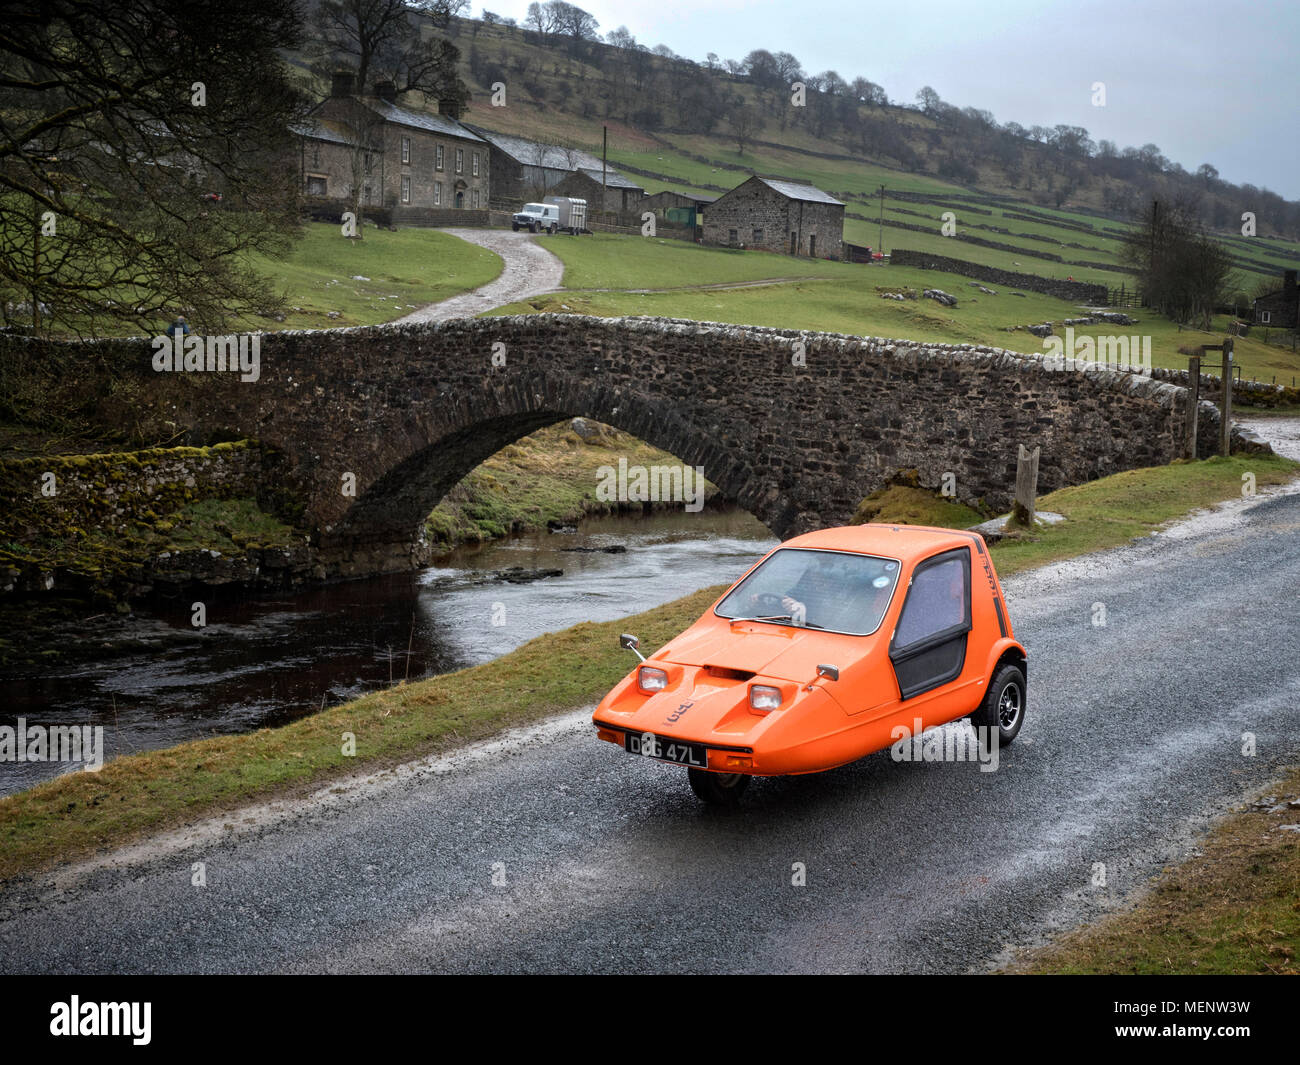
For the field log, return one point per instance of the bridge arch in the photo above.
(795, 426)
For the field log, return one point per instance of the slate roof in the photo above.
(533, 153)
(795, 191)
(323, 129)
(613, 179)
(401, 116)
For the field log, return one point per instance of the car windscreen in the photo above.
(833, 590)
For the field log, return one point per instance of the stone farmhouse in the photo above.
(418, 165)
(1280, 309)
(524, 170)
(779, 216)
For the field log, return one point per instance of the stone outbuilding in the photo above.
(610, 191)
(779, 216)
(524, 170)
(1280, 309)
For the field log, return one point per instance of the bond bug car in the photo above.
(818, 652)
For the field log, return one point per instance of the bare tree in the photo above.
(744, 123)
(143, 152)
(1183, 271)
(383, 39)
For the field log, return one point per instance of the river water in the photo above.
(265, 660)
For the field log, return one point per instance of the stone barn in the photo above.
(610, 191)
(779, 216)
(1280, 309)
(524, 170)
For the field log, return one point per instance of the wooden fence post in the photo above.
(1193, 402)
(1225, 419)
(1022, 510)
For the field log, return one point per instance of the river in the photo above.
(262, 661)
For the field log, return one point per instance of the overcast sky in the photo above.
(1208, 82)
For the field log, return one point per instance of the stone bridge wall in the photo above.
(797, 427)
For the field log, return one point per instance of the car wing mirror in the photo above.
(829, 672)
(630, 642)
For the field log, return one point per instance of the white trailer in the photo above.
(573, 212)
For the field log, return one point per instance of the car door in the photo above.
(928, 647)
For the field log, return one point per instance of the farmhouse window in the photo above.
(1265, 317)
(406, 188)
(406, 149)
(476, 164)
(315, 185)
(437, 164)
(758, 236)
(475, 199)
(733, 236)
(460, 160)
(437, 193)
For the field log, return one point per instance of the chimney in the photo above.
(386, 90)
(1288, 280)
(450, 107)
(341, 85)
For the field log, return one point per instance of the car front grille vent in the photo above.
(727, 673)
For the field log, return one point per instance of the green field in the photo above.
(843, 298)
(404, 270)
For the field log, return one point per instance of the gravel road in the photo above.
(529, 271)
(547, 850)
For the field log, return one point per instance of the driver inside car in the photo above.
(813, 597)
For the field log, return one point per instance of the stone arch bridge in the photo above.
(796, 427)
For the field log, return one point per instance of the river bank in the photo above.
(87, 538)
(262, 660)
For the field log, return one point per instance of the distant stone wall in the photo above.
(439, 216)
(1074, 291)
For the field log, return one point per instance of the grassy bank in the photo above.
(370, 281)
(1234, 908)
(548, 476)
(116, 511)
(138, 794)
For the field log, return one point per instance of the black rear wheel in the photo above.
(717, 789)
(1003, 707)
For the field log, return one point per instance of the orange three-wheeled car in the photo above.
(814, 657)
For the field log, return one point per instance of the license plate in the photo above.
(665, 749)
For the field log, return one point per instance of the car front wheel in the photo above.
(1003, 707)
(514, 226)
(718, 789)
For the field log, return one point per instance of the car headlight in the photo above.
(650, 679)
(763, 697)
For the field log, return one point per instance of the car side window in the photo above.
(937, 601)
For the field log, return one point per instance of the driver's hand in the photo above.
(792, 606)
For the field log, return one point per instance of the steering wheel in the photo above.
(768, 603)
